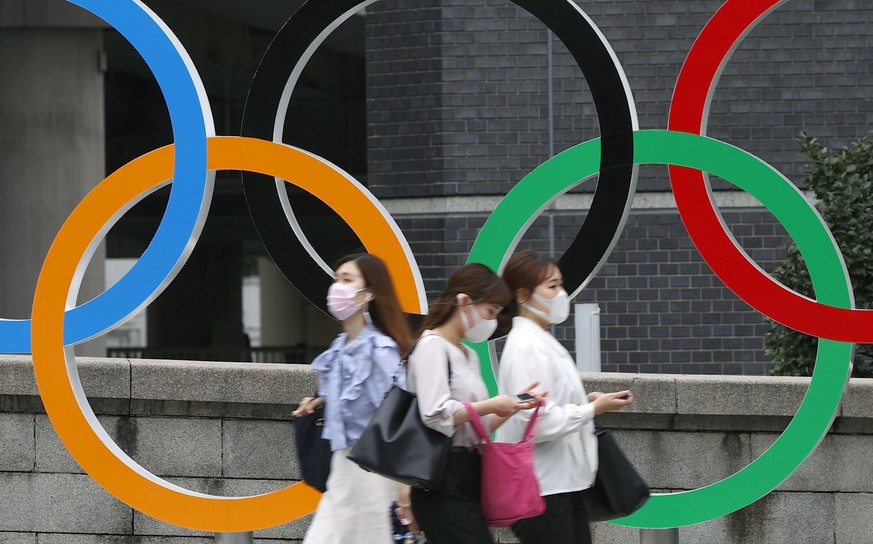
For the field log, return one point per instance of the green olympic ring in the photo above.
(511, 218)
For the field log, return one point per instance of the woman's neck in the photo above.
(353, 326)
(524, 312)
(451, 331)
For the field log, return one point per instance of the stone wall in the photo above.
(223, 428)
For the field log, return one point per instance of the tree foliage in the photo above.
(842, 180)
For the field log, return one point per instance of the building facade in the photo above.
(440, 107)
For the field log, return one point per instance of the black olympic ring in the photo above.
(304, 31)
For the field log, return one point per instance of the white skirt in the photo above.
(355, 507)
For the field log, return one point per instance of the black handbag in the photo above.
(618, 489)
(399, 446)
(313, 452)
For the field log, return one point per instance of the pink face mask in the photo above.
(341, 301)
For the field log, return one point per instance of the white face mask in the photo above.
(481, 329)
(558, 307)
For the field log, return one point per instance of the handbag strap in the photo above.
(529, 430)
(476, 421)
(404, 361)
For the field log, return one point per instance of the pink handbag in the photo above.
(510, 490)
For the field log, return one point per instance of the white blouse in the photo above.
(566, 448)
(427, 377)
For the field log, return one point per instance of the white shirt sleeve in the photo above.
(429, 370)
(526, 362)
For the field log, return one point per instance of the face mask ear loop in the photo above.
(366, 306)
(536, 311)
(465, 322)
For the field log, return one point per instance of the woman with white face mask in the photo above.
(444, 374)
(354, 374)
(565, 457)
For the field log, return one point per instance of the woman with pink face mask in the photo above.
(354, 374)
(444, 374)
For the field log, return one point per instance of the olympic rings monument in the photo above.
(167, 452)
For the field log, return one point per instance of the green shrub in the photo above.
(842, 180)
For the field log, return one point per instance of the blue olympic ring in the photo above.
(190, 194)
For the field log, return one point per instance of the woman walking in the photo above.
(444, 374)
(565, 457)
(354, 374)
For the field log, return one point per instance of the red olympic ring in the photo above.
(688, 112)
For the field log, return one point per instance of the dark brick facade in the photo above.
(458, 90)
(662, 308)
(459, 100)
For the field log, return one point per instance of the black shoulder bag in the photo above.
(399, 446)
(618, 489)
(313, 452)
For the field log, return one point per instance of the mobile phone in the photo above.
(524, 397)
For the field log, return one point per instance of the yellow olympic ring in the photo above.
(55, 366)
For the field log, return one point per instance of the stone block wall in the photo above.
(224, 428)
(205, 426)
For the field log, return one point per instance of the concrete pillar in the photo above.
(587, 321)
(51, 142)
(281, 307)
(288, 319)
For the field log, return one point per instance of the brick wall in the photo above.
(458, 104)
(664, 311)
(462, 86)
(662, 308)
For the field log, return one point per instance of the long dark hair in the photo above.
(474, 279)
(384, 309)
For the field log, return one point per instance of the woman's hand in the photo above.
(404, 514)
(502, 406)
(307, 406)
(404, 508)
(538, 396)
(506, 405)
(608, 402)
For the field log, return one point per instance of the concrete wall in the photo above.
(224, 428)
(51, 141)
